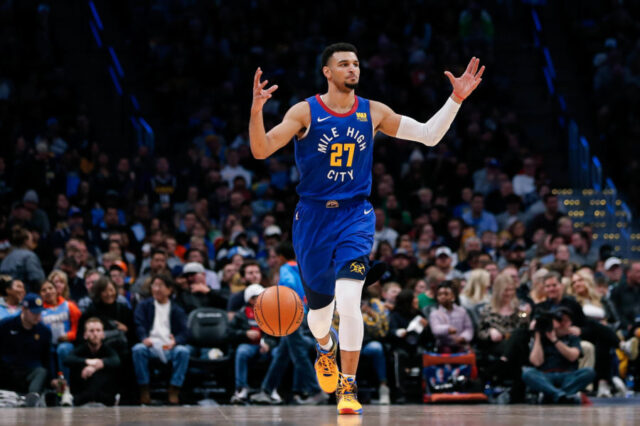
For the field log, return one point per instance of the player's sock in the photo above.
(349, 376)
(328, 346)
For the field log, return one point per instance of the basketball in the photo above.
(279, 311)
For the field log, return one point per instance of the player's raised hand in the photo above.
(260, 94)
(468, 81)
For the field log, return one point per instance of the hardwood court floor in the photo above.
(474, 415)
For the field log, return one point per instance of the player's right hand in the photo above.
(260, 95)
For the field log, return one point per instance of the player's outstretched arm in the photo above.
(431, 132)
(264, 144)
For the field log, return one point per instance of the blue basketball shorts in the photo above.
(332, 240)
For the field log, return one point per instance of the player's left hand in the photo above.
(464, 85)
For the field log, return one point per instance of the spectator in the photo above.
(613, 271)
(234, 169)
(626, 298)
(90, 278)
(22, 263)
(485, 180)
(376, 328)
(554, 357)
(428, 298)
(12, 292)
(537, 293)
(197, 256)
(161, 327)
(251, 274)
(390, 292)
(74, 283)
(524, 182)
(39, 218)
(163, 186)
(199, 294)
(476, 291)
(227, 275)
(60, 281)
(157, 266)
(500, 318)
(383, 232)
(252, 344)
(583, 290)
(408, 333)
(61, 316)
(565, 229)
(582, 251)
(116, 274)
(292, 348)
(402, 267)
(477, 217)
(25, 348)
(549, 218)
(444, 263)
(94, 367)
(512, 213)
(114, 314)
(450, 323)
(602, 337)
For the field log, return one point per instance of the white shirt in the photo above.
(229, 173)
(386, 234)
(523, 184)
(161, 330)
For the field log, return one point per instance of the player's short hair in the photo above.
(337, 47)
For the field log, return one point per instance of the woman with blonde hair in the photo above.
(583, 288)
(476, 291)
(61, 281)
(501, 316)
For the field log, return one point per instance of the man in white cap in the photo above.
(444, 262)
(613, 270)
(253, 343)
(199, 295)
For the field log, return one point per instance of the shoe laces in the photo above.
(347, 389)
(326, 361)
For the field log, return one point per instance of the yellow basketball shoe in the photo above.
(326, 366)
(347, 396)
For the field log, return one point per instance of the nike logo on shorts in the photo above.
(320, 120)
(297, 217)
(368, 211)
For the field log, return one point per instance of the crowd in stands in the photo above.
(105, 255)
(606, 39)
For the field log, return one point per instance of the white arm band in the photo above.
(432, 131)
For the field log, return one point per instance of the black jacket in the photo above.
(239, 326)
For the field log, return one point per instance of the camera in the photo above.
(544, 322)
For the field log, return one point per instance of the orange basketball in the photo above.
(279, 311)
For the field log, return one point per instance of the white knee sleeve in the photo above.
(319, 320)
(348, 296)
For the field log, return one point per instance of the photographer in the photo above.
(602, 337)
(554, 357)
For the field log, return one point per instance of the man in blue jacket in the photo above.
(24, 348)
(161, 326)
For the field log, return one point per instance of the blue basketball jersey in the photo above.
(335, 157)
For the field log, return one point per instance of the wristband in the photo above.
(458, 96)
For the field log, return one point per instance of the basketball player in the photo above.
(333, 223)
